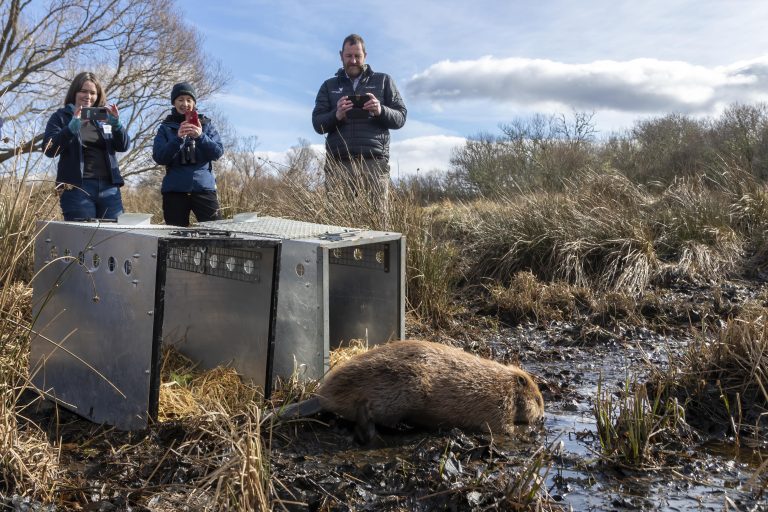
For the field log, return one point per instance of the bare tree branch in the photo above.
(138, 48)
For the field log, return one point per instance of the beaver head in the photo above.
(529, 404)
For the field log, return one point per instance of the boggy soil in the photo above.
(316, 465)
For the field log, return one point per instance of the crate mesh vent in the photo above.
(237, 264)
(374, 256)
(274, 227)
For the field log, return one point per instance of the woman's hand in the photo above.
(190, 130)
(112, 109)
(113, 116)
(75, 123)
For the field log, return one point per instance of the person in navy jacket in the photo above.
(187, 150)
(88, 176)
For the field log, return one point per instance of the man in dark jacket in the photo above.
(355, 110)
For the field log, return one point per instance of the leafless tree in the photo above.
(138, 48)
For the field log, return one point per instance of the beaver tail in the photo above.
(299, 409)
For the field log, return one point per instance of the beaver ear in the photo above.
(521, 381)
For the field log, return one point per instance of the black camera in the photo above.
(94, 113)
(358, 100)
(187, 154)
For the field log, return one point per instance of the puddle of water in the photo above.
(717, 474)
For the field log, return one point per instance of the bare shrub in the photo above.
(535, 153)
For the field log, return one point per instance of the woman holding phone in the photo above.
(85, 135)
(187, 144)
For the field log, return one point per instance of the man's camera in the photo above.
(94, 113)
(358, 100)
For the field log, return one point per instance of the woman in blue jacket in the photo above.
(88, 177)
(187, 150)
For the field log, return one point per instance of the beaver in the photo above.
(425, 384)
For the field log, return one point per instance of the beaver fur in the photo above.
(426, 384)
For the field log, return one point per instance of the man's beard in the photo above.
(353, 70)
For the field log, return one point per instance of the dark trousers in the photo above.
(178, 205)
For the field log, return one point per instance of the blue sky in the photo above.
(467, 67)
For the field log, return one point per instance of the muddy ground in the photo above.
(315, 464)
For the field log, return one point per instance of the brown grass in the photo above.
(723, 376)
(28, 463)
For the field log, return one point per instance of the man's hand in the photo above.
(342, 107)
(372, 105)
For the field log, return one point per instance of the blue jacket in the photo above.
(59, 140)
(368, 137)
(166, 150)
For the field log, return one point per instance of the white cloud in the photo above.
(638, 85)
(422, 154)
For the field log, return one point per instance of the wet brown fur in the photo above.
(430, 385)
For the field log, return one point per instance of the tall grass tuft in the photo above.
(723, 375)
(592, 234)
(605, 232)
(225, 413)
(634, 427)
(28, 464)
(241, 479)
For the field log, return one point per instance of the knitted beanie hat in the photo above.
(183, 88)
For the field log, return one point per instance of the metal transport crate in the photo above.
(264, 295)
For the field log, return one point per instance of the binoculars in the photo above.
(187, 153)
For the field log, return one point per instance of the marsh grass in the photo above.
(606, 233)
(527, 490)
(635, 428)
(591, 250)
(28, 463)
(723, 376)
(223, 411)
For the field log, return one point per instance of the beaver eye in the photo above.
(521, 381)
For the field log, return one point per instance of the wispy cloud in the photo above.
(638, 85)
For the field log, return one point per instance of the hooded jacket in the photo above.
(58, 140)
(189, 177)
(368, 137)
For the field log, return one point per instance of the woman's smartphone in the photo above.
(93, 113)
(191, 117)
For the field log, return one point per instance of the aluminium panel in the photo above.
(365, 293)
(336, 284)
(219, 300)
(90, 278)
(301, 325)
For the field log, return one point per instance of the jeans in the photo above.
(178, 205)
(94, 199)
